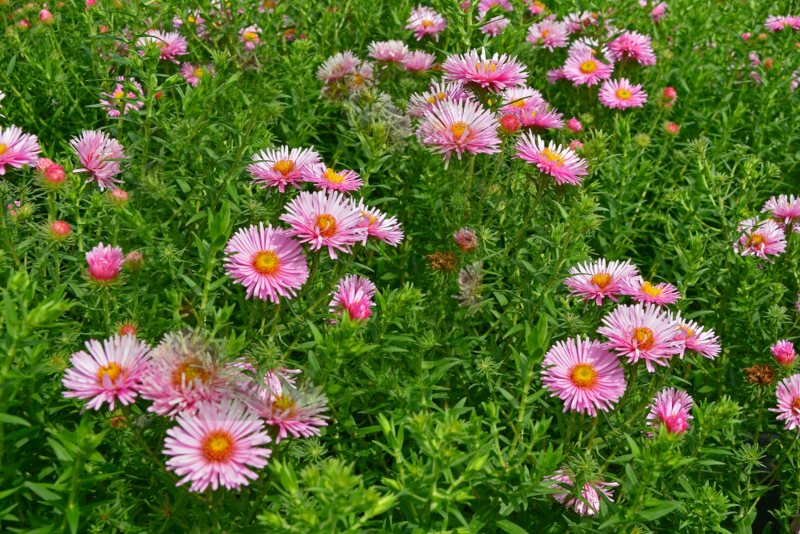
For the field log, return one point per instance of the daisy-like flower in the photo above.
(784, 352)
(361, 78)
(485, 5)
(418, 61)
(379, 225)
(521, 99)
(170, 44)
(107, 372)
(671, 408)
(194, 73)
(105, 263)
(343, 180)
(425, 21)
(250, 36)
(542, 116)
(420, 103)
(285, 166)
(299, 411)
(584, 374)
(393, 51)
(459, 127)
(776, 23)
(584, 67)
(126, 97)
(788, 408)
(338, 66)
(621, 94)
(642, 332)
(760, 239)
(549, 34)
(563, 164)
(576, 22)
(494, 73)
(217, 446)
(17, 149)
(632, 46)
(324, 219)
(100, 156)
(354, 294)
(535, 7)
(494, 26)
(645, 291)
(785, 210)
(600, 279)
(696, 338)
(268, 262)
(553, 75)
(589, 501)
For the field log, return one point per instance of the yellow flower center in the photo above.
(191, 19)
(284, 404)
(189, 371)
(518, 103)
(112, 371)
(796, 404)
(327, 225)
(459, 129)
(487, 67)
(584, 375)
(333, 176)
(3, 148)
(755, 241)
(643, 338)
(545, 33)
(589, 66)
(198, 72)
(358, 79)
(119, 94)
(553, 156)
(284, 166)
(266, 262)
(624, 94)
(250, 36)
(651, 290)
(427, 23)
(218, 446)
(601, 280)
(687, 332)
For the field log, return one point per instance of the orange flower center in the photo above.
(189, 371)
(755, 241)
(796, 404)
(589, 66)
(326, 224)
(651, 290)
(284, 166)
(250, 36)
(584, 375)
(553, 156)
(643, 338)
(333, 177)
(218, 446)
(624, 94)
(459, 129)
(3, 148)
(601, 280)
(545, 33)
(283, 403)
(112, 371)
(519, 103)
(427, 23)
(266, 262)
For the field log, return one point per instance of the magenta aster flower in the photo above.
(353, 293)
(267, 262)
(285, 166)
(493, 73)
(343, 180)
(418, 61)
(589, 501)
(170, 44)
(107, 372)
(379, 225)
(217, 446)
(100, 156)
(393, 51)
(420, 103)
(785, 210)
(324, 219)
(250, 36)
(671, 408)
(459, 127)
(194, 73)
(584, 374)
(563, 164)
(126, 97)
(760, 238)
(105, 263)
(338, 66)
(17, 149)
(784, 352)
(642, 332)
(788, 408)
(621, 94)
(600, 279)
(299, 411)
(584, 67)
(425, 21)
(696, 338)
(644, 291)
(632, 46)
(549, 34)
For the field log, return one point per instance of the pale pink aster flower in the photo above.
(645, 291)
(562, 163)
(589, 501)
(267, 388)
(338, 66)
(100, 156)
(753, 58)
(361, 78)
(785, 210)
(576, 145)
(418, 61)
(632, 46)
(171, 44)
(126, 97)
(784, 352)
(267, 262)
(521, 98)
(105, 263)
(494, 73)
(621, 94)
(17, 149)
(695, 337)
(485, 5)
(494, 26)
(659, 12)
(459, 127)
(577, 22)
(542, 116)
(420, 103)
(530, 109)
(425, 21)
(583, 67)
(536, 7)
(553, 75)
(466, 239)
(107, 372)
(583, 374)
(325, 219)
(299, 411)
(642, 332)
(217, 446)
(776, 23)
(549, 34)
(250, 36)
(354, 294)
(671, 408)
(788, 408)
(760, 238)
(194, 73)
(343, 180)
(393, 51)
(379, 225)
(285, 166)
(600, 279)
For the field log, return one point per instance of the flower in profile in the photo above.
(577, 22)
(788, 408)
(549, 34)
(393, 51)
(584, 374)
(521, 98)
(494, 73)
(563, 164)
(671, 408)
(100, 156)
(126, 97)
(584, 67)
(632, 46)
(250, 36)
(285, 166)
(470, 286)
(299, 411)
(325, 219)
(776, 23)
(17, 149)
(107, 372)
(642, 332)
(600, 279)
(420, 103)
(784, 352)
(343, 180)
(268, 262)
(338, 66)
(50, 172)
(643, 290)
(588, 503)
(553, 75)
(785, 210)
(418, 61)
(658, 12)
(219, 445)
(574, 125)
(379, 225)
(621, 94)
(105, 263)
(193, 74)
(696, 338)
(170, 44)
(494, 26)
(466, 239)
(425, 21)
(458, 127)
(353, 294)
(760, 239)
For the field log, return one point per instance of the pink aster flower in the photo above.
(354, 294)
(420, 103)
(658, 12)
(788, 408)
(536, 7)
(784, 352)
(105, 263)
(485, 5)
(553, 75)
(285, 166)
(549, 34)
(194, 73)
(100, 156)
(299, 411)
(588, 503)
(324, 219)
(621, 94)
(644, 291)
(542, 116)
(107, 372)
(584, 67)
(126, 97)
(760, 238)
(361, 78)
(632, 46)
(459, 127)
(250, 36)
(776, 23)
(425, 21)
(671, 408)
(494, 26)
(170, 44)
(695, 337)
(217, 446)
(343, 180)
(577, 22)
(574, 125)
(393, 51)
(267, 262)
(338, 66)
(584, 374)
(418, 61)
(17, 149)
(521, 99)
(563, 164)
(600, 279)
(642, 332)
(785, 210)
(379, 225)
(493, 73)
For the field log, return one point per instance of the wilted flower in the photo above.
(470, 285)
(442, 261)
(466, 239)
(761, 373)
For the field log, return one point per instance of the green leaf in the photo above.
(512, 528)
